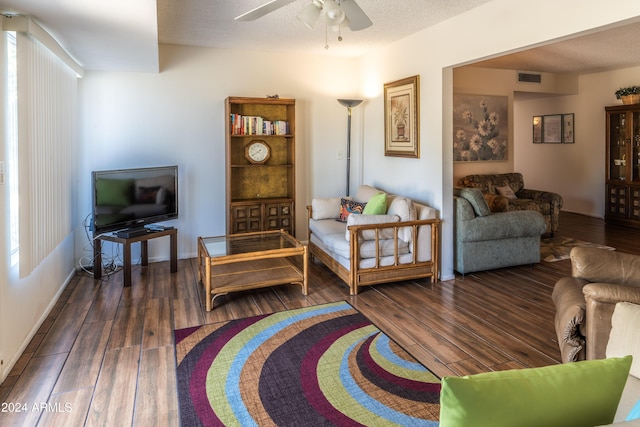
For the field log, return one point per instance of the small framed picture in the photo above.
(567, 129)
(552, 129)
(537, 129)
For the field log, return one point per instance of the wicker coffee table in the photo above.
(240, 262)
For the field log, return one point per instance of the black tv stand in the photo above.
(126, 243)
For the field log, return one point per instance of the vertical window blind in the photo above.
(47, 110)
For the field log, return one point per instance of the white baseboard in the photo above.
(6, 368)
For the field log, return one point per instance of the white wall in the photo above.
(577, 171)
(25, 303)
(484, 81)
(177, 117)
(498, 27)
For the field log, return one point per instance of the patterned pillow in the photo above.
(506, 191)
(348, 207)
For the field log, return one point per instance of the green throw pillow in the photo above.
(476, 199)
(377, 205)
(115, 192)
(574, 394)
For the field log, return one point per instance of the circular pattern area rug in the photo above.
(316, 366)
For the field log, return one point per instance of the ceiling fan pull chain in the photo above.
(326, 36)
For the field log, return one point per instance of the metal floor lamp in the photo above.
(349, 103)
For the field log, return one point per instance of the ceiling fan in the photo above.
(335, 13)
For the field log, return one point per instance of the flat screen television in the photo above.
(133, 198)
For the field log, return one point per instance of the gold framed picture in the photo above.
(401, 115)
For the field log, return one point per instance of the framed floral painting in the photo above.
(401, 112)
(480, 128)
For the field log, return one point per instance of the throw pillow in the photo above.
(377, 205)
(403, 207)
(476, 199)
(348, 207)
(365, 192)
(325, 208)
(624, 338)
(572, 394)
(506, 192)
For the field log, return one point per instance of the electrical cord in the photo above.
(87, 263)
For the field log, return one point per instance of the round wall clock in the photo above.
(257, 152)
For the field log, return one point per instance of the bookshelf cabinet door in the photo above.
(278, 216)
(246, 218)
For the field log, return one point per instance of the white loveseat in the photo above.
(401, 244)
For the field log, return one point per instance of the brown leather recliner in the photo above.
(585, 302)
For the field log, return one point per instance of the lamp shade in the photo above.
(310, 14)
(350, 103)
(333, 13)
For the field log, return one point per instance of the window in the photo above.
(40, 115)
(11, 165)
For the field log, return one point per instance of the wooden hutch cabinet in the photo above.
(623, 165)
(260, 163)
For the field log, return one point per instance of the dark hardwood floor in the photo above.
(105, 354)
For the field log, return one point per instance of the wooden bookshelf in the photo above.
(260, 196)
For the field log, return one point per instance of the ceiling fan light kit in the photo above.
(342, 12)
(310, 14)
(333, 13)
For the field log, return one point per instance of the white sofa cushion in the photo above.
(384, 261)
(623, 340)
(403, 207)
(385, 233)
(323, 227)
(365, 192)
(331, 234)
(325, 208)
(386, 247)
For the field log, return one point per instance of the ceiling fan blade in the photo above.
(358, 20)
(260, 11)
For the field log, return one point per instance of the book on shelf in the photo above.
(256, 125)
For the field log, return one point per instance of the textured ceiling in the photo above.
(609, 49)
(123, 35)
(210, 23)
(100, 35)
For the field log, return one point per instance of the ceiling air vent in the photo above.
(529, 78)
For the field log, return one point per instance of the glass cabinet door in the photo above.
(617, 146)
(635, 146)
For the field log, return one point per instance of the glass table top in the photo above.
(248, 243)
